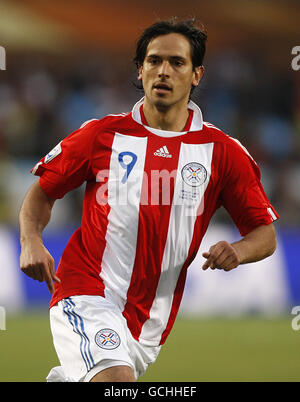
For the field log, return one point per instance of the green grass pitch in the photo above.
(214, 349)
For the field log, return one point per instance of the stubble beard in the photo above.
(162, 104)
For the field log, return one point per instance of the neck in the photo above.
(165, 118)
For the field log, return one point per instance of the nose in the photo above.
(164, 70)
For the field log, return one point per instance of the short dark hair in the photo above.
(197, 37)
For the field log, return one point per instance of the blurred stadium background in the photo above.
(67, 62)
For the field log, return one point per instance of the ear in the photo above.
(140, 76)
(198, 74)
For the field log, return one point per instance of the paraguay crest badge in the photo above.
(107, 339)
(194, 174)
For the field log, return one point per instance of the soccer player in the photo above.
(154, 178)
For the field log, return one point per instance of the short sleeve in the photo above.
(242, 193)
(68, 165)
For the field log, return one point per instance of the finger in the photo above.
(27, 271)
(38, 273)
(220, 260)
(206, 264)
(48, 279)
(33, 271)
(213, 254)
(51, 276)
(54, 277)
(49, 283)
(209, 263)
(230, 263)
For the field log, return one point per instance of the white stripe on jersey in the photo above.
(272, 214)
(183, 213)
(124, 191)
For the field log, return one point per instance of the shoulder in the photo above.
(110, 121)
(104, 121)
(227, 142)
(90, 130)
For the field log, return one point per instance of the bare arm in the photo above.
(35, 259)
(255, 246)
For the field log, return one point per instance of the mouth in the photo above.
(162, 88)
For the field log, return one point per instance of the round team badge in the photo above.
(107, 339)
(194, 174)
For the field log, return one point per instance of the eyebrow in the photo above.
(156, 56)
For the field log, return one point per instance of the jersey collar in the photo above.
(196, 125)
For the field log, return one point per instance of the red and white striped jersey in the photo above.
(149, 197)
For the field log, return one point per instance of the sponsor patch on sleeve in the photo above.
(53, 153)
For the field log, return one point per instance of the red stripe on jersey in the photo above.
(154, 225)
(176, 302)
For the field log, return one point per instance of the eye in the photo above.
(153, 60)
(178, 62)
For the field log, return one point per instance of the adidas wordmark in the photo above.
(163, 151)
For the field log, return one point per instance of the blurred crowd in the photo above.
(42, 100)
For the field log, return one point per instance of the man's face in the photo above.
(167, 72)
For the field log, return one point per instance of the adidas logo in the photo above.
(163, 151)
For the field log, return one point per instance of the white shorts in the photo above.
(90, 334)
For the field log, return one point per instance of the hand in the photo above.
(37, 263)
(222, 255)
